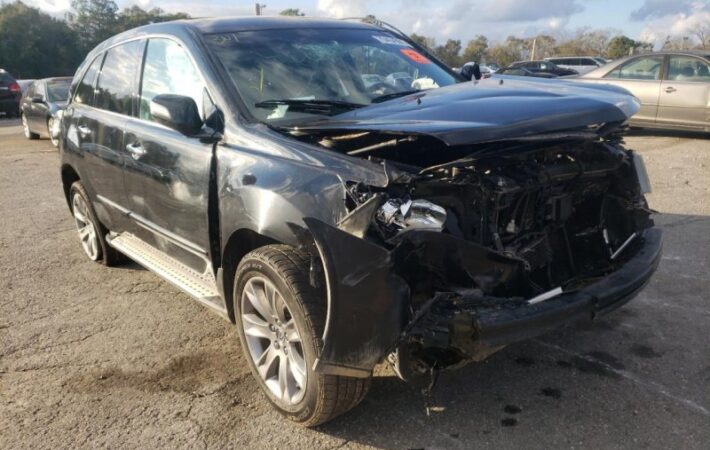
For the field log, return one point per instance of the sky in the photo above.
(648, 20)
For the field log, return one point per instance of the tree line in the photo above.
(34, 44)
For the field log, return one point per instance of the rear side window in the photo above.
(687, 68)
(114, 91)
(85, 91)
(587, 62)
(169, 70)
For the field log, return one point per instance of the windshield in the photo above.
(297, 74)
(58, 91)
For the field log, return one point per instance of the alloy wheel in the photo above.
(86, 229)
(273, 339)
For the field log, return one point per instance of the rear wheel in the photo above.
(26, 128)
(92, 234)
(280, 318)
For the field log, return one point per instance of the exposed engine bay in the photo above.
(496, 231)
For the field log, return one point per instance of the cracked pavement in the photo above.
(99, 357)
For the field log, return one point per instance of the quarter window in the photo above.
(645, 68)
(115, 88)
(85, 91)
(687, 68)
(169, 70)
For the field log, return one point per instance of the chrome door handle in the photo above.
(84, 131)
(670, 89)
(136, 150)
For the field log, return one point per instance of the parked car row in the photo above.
(39, 103)
(10, 94)
(41, 107)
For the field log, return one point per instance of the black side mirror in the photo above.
(37, 99)
(177, 112)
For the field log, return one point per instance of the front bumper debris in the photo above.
(368, 302)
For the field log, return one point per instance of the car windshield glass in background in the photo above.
(334, 69)
(58, 91)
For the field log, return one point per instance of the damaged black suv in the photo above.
(346, 199)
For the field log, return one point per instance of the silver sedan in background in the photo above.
(673, 87)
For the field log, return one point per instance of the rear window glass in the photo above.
(115, 88)
(5, 78)
(85, 91)
(58, 91)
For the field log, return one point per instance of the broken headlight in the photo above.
(398, 215)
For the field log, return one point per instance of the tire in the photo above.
(287, 269)
(92, 234)
(52, 139)
(26, 128)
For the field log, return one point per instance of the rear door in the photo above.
(641, 76)
(98, 119)
(167, 173)
(685, 93)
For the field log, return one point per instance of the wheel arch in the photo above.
(69, 177)
(239, 243)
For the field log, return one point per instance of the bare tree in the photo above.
(702, 32)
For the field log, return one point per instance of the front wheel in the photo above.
(280, 318)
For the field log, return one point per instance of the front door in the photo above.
(685, 93)
(642, 77)
(167, 173)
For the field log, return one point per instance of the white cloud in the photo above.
(676, 24)
(343, 8)
(661, 8)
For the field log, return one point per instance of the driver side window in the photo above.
(169, 70)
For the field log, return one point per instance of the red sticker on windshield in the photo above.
(414, 56)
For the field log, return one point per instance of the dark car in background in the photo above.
(10, 94)
(246, 162)
(42, 105)
(544, 67)
(580, 64)
(523, 72)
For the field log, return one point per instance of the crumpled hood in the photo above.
(489, 110)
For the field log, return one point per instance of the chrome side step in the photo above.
(202, 287)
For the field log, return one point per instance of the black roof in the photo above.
(249, 23)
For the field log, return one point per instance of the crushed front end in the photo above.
(451, 262)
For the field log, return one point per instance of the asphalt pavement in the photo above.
(114, 357)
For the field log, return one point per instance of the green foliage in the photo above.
(450, 52)
(620, 46)
(292, 12)
(476, 49)
(426, 42)
(35, 45)
(93, 20)
(135, 16)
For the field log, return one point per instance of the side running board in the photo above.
(202, 287)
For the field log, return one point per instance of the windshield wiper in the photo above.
(390, 96)
(312, 106)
